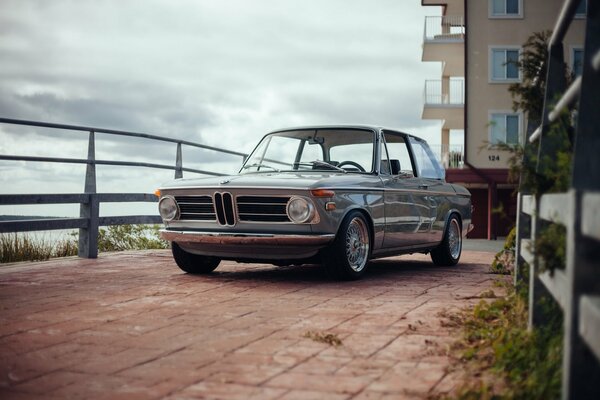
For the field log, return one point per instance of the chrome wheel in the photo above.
(357, 244)
(448, 251)
(454, 239)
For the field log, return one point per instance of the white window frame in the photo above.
(491, 14)
(491, 78)
(506, 113)
(573, 49)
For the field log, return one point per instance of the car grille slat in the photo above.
(262, 208)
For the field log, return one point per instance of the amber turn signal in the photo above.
(157, 193)
(322, 193)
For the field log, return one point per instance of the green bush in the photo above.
(15, 247)
(504, 260)
(130, 237)
(503, 359)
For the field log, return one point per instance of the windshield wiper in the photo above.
(323, 164)
(260, 165)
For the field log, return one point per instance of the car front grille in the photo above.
(199, 208)
(262, 208)
(226, 210)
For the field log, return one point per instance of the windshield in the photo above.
(337, 150)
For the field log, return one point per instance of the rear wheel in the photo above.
(448, 252)
(193, 263)
(348, 255)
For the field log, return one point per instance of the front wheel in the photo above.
(193, 263)
(348, 255)
(448, 252)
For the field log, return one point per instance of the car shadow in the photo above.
(387, 269)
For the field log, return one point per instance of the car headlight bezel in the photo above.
(300, 210)
(168, 208)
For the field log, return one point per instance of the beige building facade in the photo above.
(476, 43)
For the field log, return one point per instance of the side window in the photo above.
(505, 128)
(577, 61)
(506, 9)
(504, 65)
(427, 165)
(398, 150)
(581, 9)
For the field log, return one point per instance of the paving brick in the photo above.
(131, 325)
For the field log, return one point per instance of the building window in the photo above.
(581, 9)
(505, 128)
(577, 62)
(506, 9)
(504, 64)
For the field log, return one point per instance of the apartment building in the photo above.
(476, 42)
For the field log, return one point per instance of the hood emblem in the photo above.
(226, 181)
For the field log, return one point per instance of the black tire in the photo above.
(448, 252)
(347, 257)
(193, 263)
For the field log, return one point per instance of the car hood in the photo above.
(304, 180)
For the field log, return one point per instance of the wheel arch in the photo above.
(365, 213)
(449, 215)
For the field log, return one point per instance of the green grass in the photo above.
(15, 247)
(501, 358)
(498, 356)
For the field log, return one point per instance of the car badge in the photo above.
(226, 181)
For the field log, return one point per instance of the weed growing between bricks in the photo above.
(328, 338)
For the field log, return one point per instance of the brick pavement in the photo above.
(131, 325)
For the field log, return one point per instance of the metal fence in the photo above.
(577, 287)
(440, 93)
(89, 219)
(444, 29)
(450, 155)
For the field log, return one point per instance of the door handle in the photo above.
(424, 187)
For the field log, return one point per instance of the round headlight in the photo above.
(168, 208)
(300, 210)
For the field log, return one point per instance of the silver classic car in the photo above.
(339, 196)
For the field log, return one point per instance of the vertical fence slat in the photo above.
(88, 237)
(178, 163)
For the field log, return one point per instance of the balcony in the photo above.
(449, 7)
(451, 156)
(445, 100)
(443, 41)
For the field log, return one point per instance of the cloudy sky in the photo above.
(219, 72)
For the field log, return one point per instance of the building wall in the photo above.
(484, 97)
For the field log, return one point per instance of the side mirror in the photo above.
(395, 166)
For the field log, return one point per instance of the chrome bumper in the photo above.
(245, 238)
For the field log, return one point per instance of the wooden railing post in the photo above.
(179, 163)
(88, 237)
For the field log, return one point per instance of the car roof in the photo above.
(360, 127)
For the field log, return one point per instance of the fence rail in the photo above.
(89, 219)
(576, 288)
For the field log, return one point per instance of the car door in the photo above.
(435, 191)
(406, 205)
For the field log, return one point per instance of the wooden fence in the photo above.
(89, 219)
(577, 287)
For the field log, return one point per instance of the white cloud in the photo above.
(219, 72)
